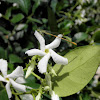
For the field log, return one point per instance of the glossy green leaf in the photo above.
(34, 20)
(3, 30)
(80, 36)
(3, 53)
(83, 63)
(52, 20)
(35, 6)
(8, 13)
(31, 81)
(24, 4)
(17, 18)
(3, 95)
(15, 59)
(96, 36)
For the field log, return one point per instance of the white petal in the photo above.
(55, 43)
(38, 97)
(41, 40)
(8, 90)
(54, 96)
(3, 67)
(2, 79)
(42, 65)
(17, 86)
(20, 80)
(18, 72)
(26, 97)
(29, 70)
(58, 59)
(33, 52)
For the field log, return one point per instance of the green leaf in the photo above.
(80, 36)
(34, 20)
(35, 6)
(4, 30)
(24, 4)
(17, 18)
(15, 59)
(8, 12)
(83, 63)
(3, 95)
(3, 53)
(96, 36)
(31, 81)
(52, 20)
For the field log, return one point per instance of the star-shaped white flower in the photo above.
(47, 52)
(14, 78)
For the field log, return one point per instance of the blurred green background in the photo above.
(77, 20)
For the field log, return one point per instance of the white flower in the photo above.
(96, 77)
(29, 70)
(14, 78)
(26, 97)
(47, 52)
(54, 96)
(38, 97)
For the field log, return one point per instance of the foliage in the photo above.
(78, 21)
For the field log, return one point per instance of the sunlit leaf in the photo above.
(83, 63)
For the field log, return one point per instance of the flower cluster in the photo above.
(16, 78)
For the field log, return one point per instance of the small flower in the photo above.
(54, 96)
(38, 97)
(96, 77)
(47, 52)
(14, 78)
(26, 97)
(29, 70)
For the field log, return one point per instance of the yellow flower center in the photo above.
(46, 50)
(7, 79)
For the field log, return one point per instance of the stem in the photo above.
(74, 7)
(24, 92)
(80, 98)
(38, 77)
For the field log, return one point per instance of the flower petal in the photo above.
(18, 86)
(41, 40)
(20, 80)
(58, 59)
(29, 70)
(18, 72)
(55, 43)
(33, 52)
(8, 90)
(3, 67)
(42, 65)
(54, 96)
(2, 79)
(38, 97)
(26, 97)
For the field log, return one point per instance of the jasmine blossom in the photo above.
(47, 52)
(14, 78)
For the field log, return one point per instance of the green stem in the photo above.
(74, 7)
(80, 97)
(24, 92)
(38, 77)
